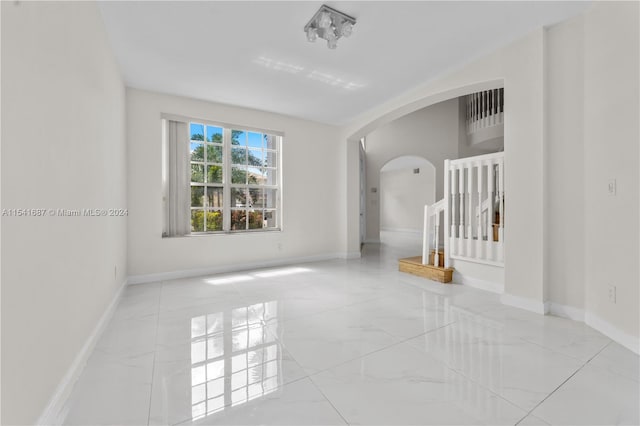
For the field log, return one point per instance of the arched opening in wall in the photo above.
(435, 126)
(407, 184)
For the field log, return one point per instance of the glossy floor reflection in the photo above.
(347, 342)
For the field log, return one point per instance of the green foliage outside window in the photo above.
(214, 221)
(239, 220)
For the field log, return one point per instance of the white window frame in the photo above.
(226, 184)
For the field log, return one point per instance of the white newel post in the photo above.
(447, 211)
(425, 237)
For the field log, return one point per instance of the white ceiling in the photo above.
(255, 54)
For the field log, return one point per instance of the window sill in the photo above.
(217, 233)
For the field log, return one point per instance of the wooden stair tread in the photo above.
(413, 265)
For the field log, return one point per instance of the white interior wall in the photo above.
(310, 154)
(565, 164)
(350, 209)
(592, 124)
(611, 135)
(523, 146)
(63, 146)
(430, 133)
(403, 195)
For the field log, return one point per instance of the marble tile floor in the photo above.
(346, 342)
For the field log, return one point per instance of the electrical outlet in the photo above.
(611, 187)
(612, 293)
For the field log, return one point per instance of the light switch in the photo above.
(611, 187)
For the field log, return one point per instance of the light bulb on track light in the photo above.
(347, 29)
(312, 34)
(325, 20)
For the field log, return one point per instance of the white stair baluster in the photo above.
(480, 229)
(474, 112)
(468, 113)
(490, 199)
(502, 212)
(436, 256)
(470, 189)
(426, 241)
(447, 213)
(501, 104)
(478, 116)
(496, 107)
(478, 111)
(454, 209)
(481, 99)
(492, 100)
(461, 248)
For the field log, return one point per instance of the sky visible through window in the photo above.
(214, 134)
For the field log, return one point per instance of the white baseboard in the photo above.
(405, 230)
(188, 273)
(54, 413)
(525, 303)
(566, 311)
(477, 283)
(372, 241)
(350, 255)
(614, 333)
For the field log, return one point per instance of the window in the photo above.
(207, 165)
(235, 174)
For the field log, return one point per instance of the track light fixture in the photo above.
(329, 24)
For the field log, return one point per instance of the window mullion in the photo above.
(246, 184)
(226, 179)
(204, 177)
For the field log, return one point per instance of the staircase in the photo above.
(472, 218)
